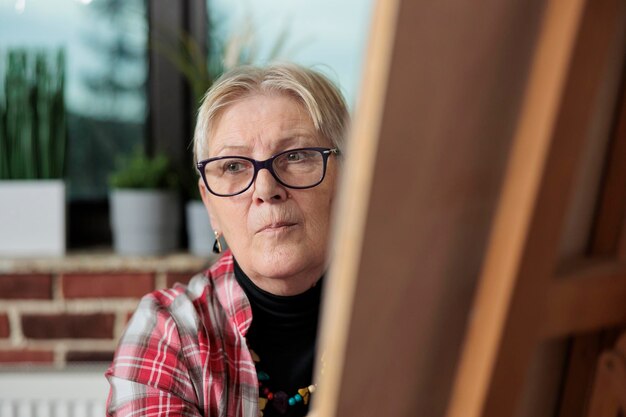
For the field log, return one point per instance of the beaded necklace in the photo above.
(287, 324)
(280, 400)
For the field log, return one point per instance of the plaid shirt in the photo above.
(184, 352)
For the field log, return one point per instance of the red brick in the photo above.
(31, 286)
(174, 277)
(68, 326)
(5, 329)
(26, 356)
(107, 285)
(89, 356)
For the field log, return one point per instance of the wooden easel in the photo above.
(609, 387)
(464, 182)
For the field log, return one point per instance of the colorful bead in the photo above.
(270, 396)
(297, 397)
(266, 391)
(312, 388)
(262, 403)
(292, 401)
(263, 376)
(304, 393)
(280, 402)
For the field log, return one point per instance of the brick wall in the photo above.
(58, 318)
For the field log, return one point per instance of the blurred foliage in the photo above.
(141, 171)
(33, 129)
(201, 68)
(121, 51)
(113, 122)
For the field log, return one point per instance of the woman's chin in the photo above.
(282, 261)
(279, 267)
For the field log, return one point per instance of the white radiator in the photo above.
(77, 392)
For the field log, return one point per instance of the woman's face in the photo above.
(277, 234)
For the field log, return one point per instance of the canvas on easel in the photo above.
(468, 234)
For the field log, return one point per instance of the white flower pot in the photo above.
(199, 231)
(32, 218)
(145, 222)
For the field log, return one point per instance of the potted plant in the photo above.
(33, 138)
(144, 206)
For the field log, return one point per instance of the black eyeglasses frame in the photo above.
(266, 164)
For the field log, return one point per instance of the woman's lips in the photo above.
(276, 227)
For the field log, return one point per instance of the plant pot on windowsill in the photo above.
(33, 137)
(144, 207)
(32, 218)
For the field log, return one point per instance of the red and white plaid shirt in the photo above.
(184, 352)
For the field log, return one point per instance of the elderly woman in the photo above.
(239, 339)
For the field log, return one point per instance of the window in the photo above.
(106, 54)
(105, 43)
(325, 34)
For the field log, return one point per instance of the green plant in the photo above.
(33, 131)
(143, 172)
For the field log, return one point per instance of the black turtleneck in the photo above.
(283, 334)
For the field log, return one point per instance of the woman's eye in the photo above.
(233, 167)
(300, 156)
(294, 156)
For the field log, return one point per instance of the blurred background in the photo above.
(92, 93)
(124, 89)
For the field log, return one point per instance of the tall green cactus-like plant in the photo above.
(33, 132)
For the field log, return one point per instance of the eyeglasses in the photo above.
(226, 176)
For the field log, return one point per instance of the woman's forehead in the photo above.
(267, 121)
(276, 109)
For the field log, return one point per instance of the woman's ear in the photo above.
(206, 197)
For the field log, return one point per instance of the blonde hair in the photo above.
(317, 94)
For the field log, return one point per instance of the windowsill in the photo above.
(106, 261)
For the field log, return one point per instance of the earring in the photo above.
(217, 246)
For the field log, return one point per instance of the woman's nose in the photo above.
(267, 189)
